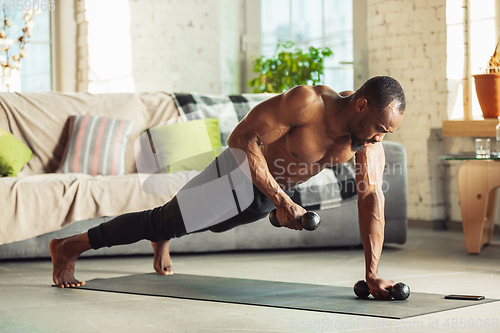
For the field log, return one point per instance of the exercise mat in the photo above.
(300, 296)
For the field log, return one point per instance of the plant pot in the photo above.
(488, 94)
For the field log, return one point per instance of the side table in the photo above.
(478, 179)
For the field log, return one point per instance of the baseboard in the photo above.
(443, 225)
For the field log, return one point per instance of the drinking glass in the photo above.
(483, 148)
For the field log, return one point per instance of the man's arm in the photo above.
(369, 173)
(266, 123)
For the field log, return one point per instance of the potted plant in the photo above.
(488, 86)
(289, 68)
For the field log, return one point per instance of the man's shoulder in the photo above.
(319, 95)
(311, 91)
(305, 97)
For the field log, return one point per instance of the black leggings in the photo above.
(165, 222)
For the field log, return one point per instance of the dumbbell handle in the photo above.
(303, 221)
(403, 294)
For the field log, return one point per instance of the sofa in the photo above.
(41, 203)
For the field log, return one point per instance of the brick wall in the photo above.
(175, 46)
(407, 40)
(185, 45)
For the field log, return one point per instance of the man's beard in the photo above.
(357, 144)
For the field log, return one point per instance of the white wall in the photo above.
(407, 40)
(230, 27)
(162, 45)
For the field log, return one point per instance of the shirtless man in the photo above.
(306, 128)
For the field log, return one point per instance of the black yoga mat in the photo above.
(300, 296)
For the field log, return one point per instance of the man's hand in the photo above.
(378, 287)
(289, 215)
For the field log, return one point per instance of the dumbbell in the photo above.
(309, 221)
(400, 291)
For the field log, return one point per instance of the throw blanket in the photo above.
(230, 110)
(330, 188)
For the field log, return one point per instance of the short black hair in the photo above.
(380, 91)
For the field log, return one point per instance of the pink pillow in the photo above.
(96, 146)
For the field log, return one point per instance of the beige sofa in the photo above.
(40, 204)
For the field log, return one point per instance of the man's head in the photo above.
(380, 104)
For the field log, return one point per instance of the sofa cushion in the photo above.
(13, 154)
(190, 145)
(228, 109)
(41, 120)
(96, 146)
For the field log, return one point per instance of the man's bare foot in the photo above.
(64, 253)
(162, 261)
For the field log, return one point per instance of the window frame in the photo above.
(251, 42)
(63, 34)
(467, 126)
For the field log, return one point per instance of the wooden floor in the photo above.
(431, 261)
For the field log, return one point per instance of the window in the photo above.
(36, 70)
(472, 37)
(318, 23)
(110, 59)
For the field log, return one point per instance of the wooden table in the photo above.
(477, 183)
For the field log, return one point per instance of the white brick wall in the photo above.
(407, 40)
(188, 45)
(175, 46)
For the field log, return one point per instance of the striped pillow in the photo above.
(96, 146)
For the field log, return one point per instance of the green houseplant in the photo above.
(288, 68)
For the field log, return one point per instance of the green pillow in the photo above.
(191, 145)
(13, 154)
